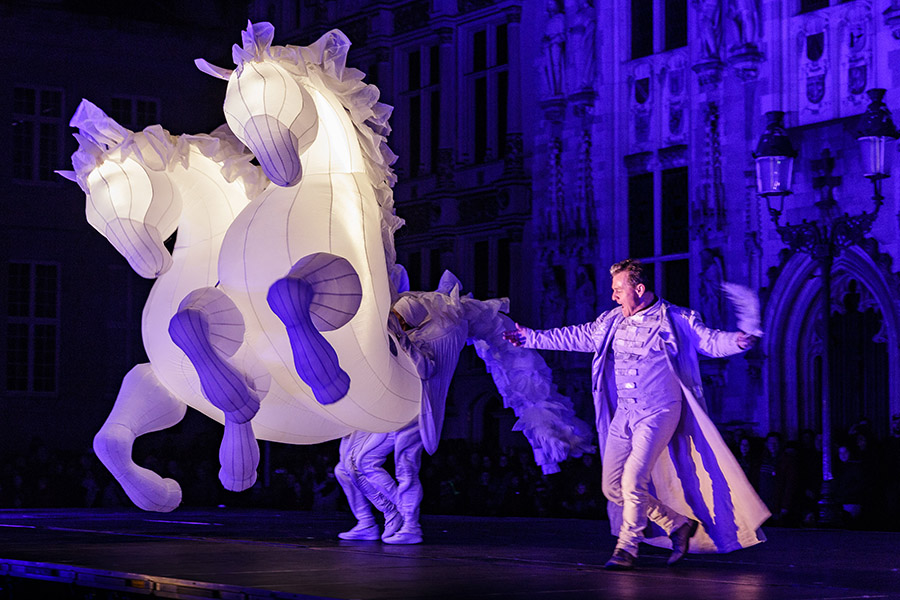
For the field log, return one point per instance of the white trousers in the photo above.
(638, 434)
(362, 476)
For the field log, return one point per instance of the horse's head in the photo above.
(130, 197)
(266, 105)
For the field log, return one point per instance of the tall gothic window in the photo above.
(488, 85)
(658, 232)
(423, 104)
(675, 24)
(32, 327)
(657, 26)
(37, 133)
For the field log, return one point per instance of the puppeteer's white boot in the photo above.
(361, 531)
(393, 521)
(410, 533)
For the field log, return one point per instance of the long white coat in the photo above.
(698, 476)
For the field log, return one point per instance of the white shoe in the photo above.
(392, 523)
(361, 532)
(408, 534)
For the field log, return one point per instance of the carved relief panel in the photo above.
(673, 81)
(641, 106)
(816, 78)
(856, 71)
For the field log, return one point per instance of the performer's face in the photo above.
(625, 294)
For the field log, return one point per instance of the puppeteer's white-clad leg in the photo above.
(367, 454)
(366, 528)
(408, 461)
(143, 405)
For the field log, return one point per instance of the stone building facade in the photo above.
(630, 131)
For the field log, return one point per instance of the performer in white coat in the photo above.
(663, 458)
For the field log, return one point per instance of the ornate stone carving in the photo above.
(584, 41)
(745, 61)
(554, 215)
(743, 18)
(709, 29)
(554, 44)
(513, 160)
(855, 71)
(709, 73)
(641, 104)
(813, 39)
(709, 210)
(892, 18)
(712, 300)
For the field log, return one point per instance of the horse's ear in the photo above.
(209, 69)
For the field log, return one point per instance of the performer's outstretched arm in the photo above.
(575, 338)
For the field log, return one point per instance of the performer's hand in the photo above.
(745, 340)
(516, 336)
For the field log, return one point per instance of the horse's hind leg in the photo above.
(209, 328)
(143, 405)
(321, 292)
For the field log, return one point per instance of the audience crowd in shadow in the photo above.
(865, 488)
(463, 479)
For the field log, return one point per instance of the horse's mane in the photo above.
(101, 137)
(327, 58)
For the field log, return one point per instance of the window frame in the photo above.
(32, 322)
(38, 142)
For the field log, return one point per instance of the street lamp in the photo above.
(823, 239)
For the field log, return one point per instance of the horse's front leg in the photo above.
(321, 292)
(143, 405)
(209, 329)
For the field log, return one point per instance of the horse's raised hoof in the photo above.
(147, 490)
(239, 457)
(321, 292)
(197, 330)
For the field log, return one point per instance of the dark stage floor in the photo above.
(242, 554)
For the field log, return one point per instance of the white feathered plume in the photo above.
(746, 307)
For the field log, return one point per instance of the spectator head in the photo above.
(895, 424)
(744, 446)
(843, 453)
(773, 442)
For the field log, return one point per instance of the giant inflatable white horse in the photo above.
(308, 261)
(140, 187)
